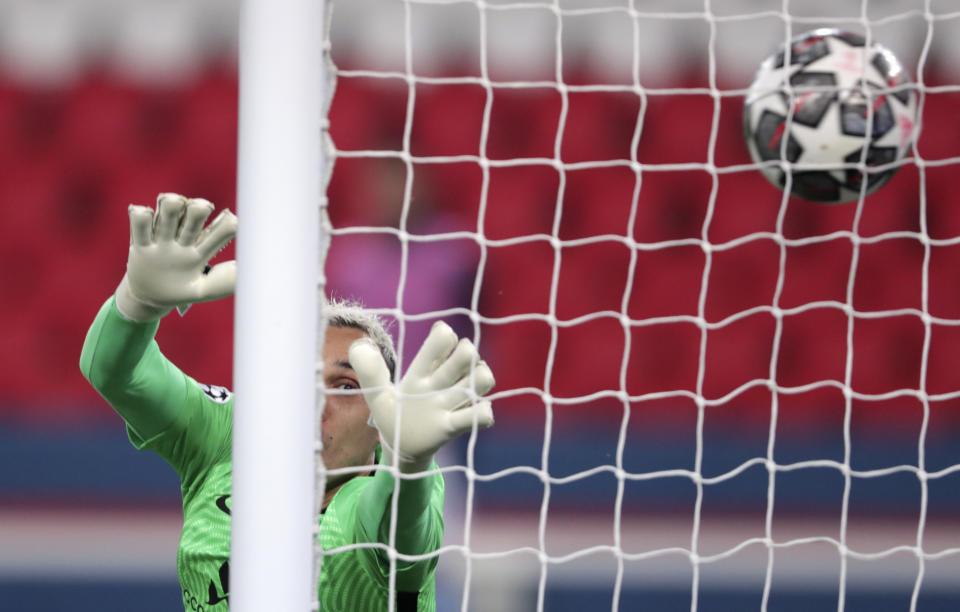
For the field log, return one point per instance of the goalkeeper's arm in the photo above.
(166, 267)
(438, 399)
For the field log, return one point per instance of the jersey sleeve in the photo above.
(419, 525)
(186, 423)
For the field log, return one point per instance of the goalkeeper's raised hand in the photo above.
(169, 251)
(436, 401)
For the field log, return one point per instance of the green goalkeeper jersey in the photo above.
(189, 425)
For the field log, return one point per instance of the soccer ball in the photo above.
(837, 109)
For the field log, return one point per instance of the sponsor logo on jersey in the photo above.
(221, 395)
(218, 592)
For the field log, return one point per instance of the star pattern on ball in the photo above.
(766, 89)
(818, 143)
(848, 63)
(904, 115)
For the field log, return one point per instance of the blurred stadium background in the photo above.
(104, 102)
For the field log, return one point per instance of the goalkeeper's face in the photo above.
(347, 438)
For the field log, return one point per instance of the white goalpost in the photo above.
(278, 197)
(408, 198)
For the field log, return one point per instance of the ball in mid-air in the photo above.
(830, 106)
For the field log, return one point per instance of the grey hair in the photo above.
(349, 313)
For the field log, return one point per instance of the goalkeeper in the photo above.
(189, 424)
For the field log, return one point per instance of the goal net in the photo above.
(710, 395)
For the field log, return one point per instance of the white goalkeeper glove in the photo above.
(433, 404)
(169, 250)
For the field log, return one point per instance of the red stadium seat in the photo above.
(813, 347)
(663, 357)
(598, 201)
(816, 272)
(592, 278)
(745, 203)
(667, 282)
(742, 278)
(589, 358)
(676, 129)
(889, 275)
(368, 114)
(453, 190)
(517, 280)
(523, 123)
(672, 205)
(944, 290)
(517, 351)
(737, 353)
(887, 354)
(447, 119)
(599, 126)
(521, 201)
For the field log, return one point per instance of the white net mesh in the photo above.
(710, 395)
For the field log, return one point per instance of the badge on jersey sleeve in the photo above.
(221, 395)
